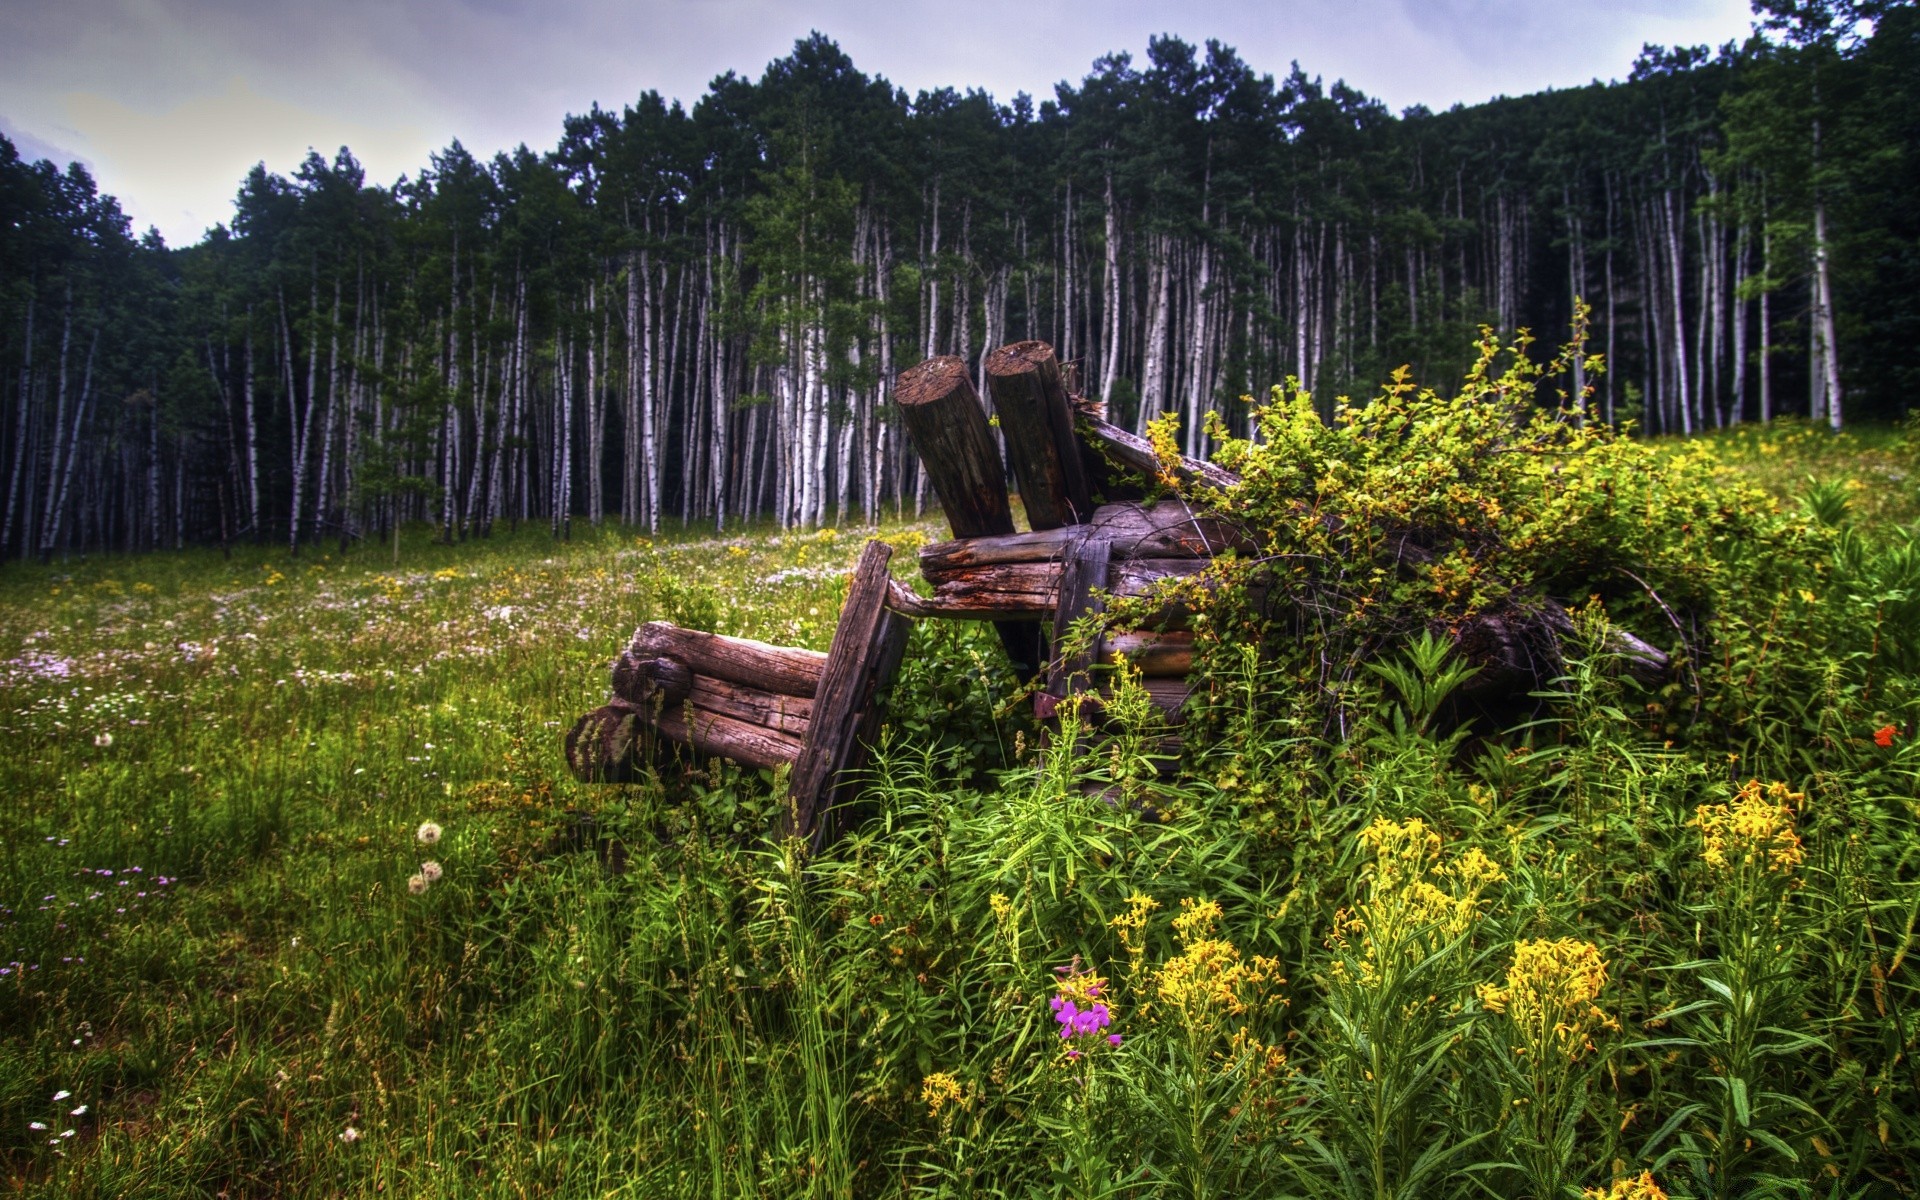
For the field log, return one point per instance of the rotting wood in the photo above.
(1169, 529)
(1082, 583)
(645, 681)
(599, 747)
(739, 660)
(756, 706)
(1154, 655)
(948, 426)
(867, 643)
(1037, 419)
(716, 733)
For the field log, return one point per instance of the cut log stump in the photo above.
(1037, 419)
(948, 425)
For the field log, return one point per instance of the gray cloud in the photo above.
(164, 94)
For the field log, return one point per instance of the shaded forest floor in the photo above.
(217, 980)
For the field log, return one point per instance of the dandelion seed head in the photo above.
(417, 884)
(428, 833)
(430, 871)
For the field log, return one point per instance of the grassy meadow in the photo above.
(1637, 942)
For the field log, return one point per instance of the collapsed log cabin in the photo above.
(1091, 536)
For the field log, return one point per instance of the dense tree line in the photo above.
(696, 314)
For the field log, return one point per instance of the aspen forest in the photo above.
(694, 314)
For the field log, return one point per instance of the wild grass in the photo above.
(1425, 961)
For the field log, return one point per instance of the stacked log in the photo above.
(735, 697)
(755, 703)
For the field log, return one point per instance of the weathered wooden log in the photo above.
(1169, 529)
(773, 710)
(866, 650)
(1082, 594)
(949, 429)
(1170, 696)
(739, 660)
(1031, 589)
(729, 737)
(646, 682)
(1135, 452)
(1154, 655)
(600, 745)
(948, 425)
(1037, 420)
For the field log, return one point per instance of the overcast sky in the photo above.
(169, 102)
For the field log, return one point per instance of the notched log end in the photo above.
(599, 747)
(643, 680)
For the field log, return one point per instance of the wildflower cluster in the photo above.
(1208, 980)
(1633, 1187)
(1080, 1006)
(939, 1090)
(1755, 830)
(1549, 997)
(1131, 926)
(73, 1114)
(1417, 901)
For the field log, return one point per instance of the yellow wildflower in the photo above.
(1755, 830)
(1209, 980)
(1637, 1187)
(1416, 901)
(1549, 996)
(1131, 925)
(939, 1090)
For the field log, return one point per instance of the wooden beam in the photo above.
(1169, 529)
(738, 660)
(1154, 655)
(771, 710)
(647, 682)
(866, 650)
(1082, 593)
(1136, 453)
(729, 737)
(1037, 419)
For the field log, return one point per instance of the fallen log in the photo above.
(1031, 589)
(646, 681)
(1154, 655)
(599, 747)
(1169, 529)
(773, 710)
(739, 660)
(716, 733)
